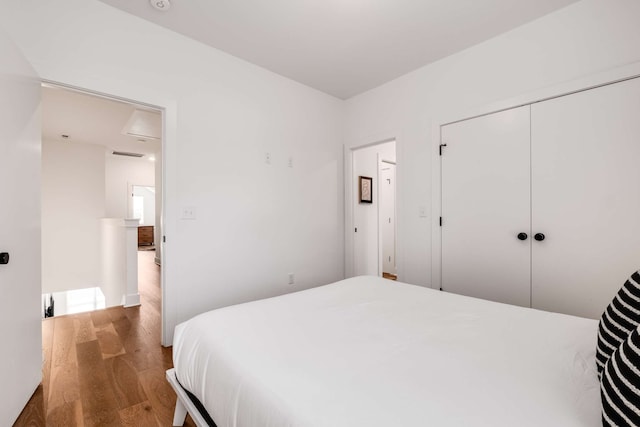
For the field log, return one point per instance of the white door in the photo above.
(387, 217)
(585, 197)
(486, 205)
(20, 283)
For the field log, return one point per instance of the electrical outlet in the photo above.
(291, 279)
(267, 158)
(290, 162)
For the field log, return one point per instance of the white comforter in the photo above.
(371, 352)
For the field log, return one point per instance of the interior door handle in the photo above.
(539, 237)
(522, 236)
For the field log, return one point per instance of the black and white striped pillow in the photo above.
(620, 386)
(619, 319)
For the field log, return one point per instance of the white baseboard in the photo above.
(131, 300)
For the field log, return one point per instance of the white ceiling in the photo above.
(342, 47)
(94, 120)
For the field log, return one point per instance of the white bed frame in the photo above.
(184, 403)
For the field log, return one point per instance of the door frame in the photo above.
(168, 111)
(349, 201)
(593, 81)
(130, 186)
(381, 162)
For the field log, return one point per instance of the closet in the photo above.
(541, 203)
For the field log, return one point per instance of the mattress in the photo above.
(371, 352)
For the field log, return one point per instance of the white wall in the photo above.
(73, 183)
(255, 222)
(221, 109)
(149, 203)
(585, 38)
(121, 173)
(365, 215)
(158, 209)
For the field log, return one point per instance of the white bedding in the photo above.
(372, 352)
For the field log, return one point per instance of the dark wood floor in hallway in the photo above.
(107, 367)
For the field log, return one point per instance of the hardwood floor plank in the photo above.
(161, 395)
(189, 422)
(84, 330)
(140, 415)
(138, 344)
(109, 341)
(100, 318)
(99, 404)
(133, 313)
(48, 326)
(33, 415)
(64, 345)
(68, 414)
(63, 388)
(123, 378)
(116, 313)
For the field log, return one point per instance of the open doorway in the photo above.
(387, 217)
(93, 148)
(374, 214)
(143, 208)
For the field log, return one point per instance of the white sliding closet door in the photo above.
(485, 205)
(585, 197)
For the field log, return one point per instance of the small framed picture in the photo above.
(366, 192)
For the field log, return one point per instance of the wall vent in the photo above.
(124, 153)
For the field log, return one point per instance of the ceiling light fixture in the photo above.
(162, 5)
(127, 154)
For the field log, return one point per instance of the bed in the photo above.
(372, 352)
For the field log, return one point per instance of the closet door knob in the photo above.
(522, 236)
(539, 237)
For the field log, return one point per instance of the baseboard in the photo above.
(131, 300)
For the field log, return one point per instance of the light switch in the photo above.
(188, 212)
(422, 211)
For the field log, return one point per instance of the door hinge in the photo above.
(164, 239)
(440, 221)
(440, 149)
(356, 229)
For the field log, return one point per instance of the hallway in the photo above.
(107, 367)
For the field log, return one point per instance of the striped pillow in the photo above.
(619, 319)
(620, 386)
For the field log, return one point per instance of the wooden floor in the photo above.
(389, 276)
(107, 367)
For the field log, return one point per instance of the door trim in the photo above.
(169, 125)
(349, 197)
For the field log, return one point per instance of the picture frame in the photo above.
(365, 186)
